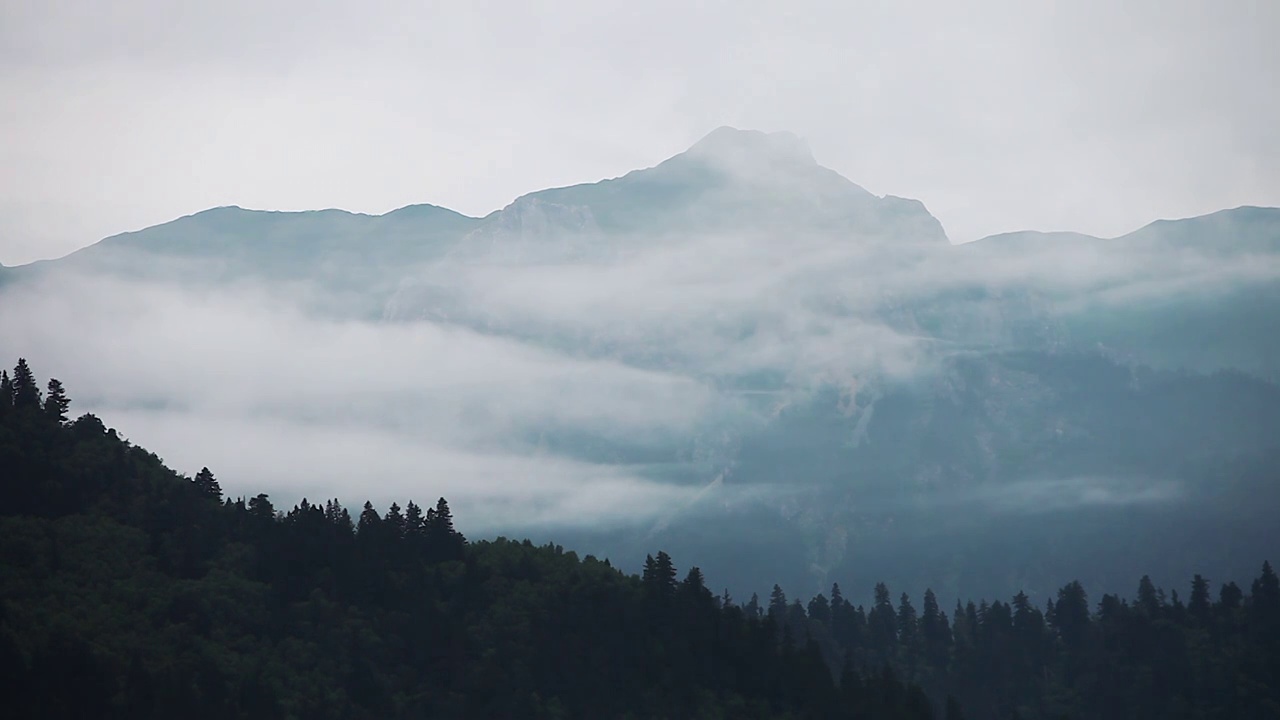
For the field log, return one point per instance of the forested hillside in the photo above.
(127, 590)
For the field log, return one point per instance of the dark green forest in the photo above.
(128, 590)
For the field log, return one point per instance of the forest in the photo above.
(128, 590)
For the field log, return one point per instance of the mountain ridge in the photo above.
(678, 184)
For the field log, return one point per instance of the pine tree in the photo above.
(908, 628)
(441, 525)
(338, 517)
(56, 402)
(207, 484)
(6, 392)
(820, 609)
(1230, 597)
(1071, 618)
(369, 523)
(694, 584)
(665, 571)
(1264, 596)
(261, 507)
(1200, 606)
(413, 521)
(1029, 637)
(394, 520)
(778, 604)
(935, 633)
(882, 625)
(26, 394)
(1148, 597)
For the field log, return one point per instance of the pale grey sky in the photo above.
(999, 115)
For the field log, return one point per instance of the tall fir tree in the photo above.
(56, 402)
(207, 484)
(935, 634)
(778, 604)
(6, 392)
(26, 393)
(820, 609)
(664, 571)
(369, 523)
(1200, 606)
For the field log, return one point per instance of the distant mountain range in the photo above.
(984, 417)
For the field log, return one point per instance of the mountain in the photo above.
(733, 181)
(347, 254)
(737, 353)
(1198, 293)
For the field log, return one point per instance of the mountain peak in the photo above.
(733, 146)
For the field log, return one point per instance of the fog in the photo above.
(539, 390)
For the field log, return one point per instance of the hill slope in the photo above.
(151, 595)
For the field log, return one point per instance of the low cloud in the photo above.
(1053, 495)
(589, 391)
(272, 398)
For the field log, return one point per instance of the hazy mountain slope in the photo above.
(736, 353)
(1199, 293)
(748, 181)
(355, 257)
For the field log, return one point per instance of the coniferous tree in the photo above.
(820, 609)
(6, 392)
(413, 520)
(261, 507)
(664, 572)
(442, 520)
(1071, 618)
(444, 541)
(1265, 593)
(1230, 598)
(778, 604)
(649, 575)
(1200, 605)
(369, 523)
(56, 402)
(882, 626)
(207, 484)
(908, 627)
(694, 585)
(26, 393)
(394, 520)
(935, 634)
(1148, 597)
(339, 518)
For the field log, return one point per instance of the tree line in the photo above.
(131, 591)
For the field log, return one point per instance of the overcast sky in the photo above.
(1086, 115)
